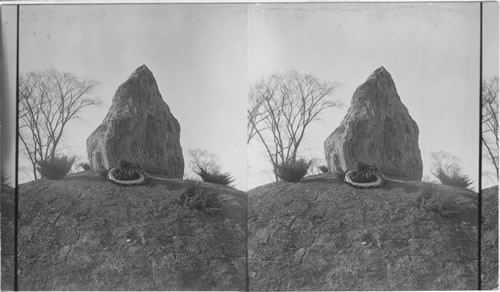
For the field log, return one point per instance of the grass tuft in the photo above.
(364, 173)
(55, 168)
(293, 171)
(195, 197)
(214, 176)
(453, 178)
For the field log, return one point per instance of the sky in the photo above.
(490, 69)
(204, 57)
(431, 51)
(197, 54)
(8, 50)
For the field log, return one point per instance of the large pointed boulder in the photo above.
(138, 128)
(377, 130)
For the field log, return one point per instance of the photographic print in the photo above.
(249, 146)
(363, 146)
(132, 157)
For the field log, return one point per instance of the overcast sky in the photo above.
(205, 56)
(490, 69)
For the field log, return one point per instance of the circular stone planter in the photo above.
(112, 178)
(362, 185)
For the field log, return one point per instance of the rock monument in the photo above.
(377, 130)
(138, 128)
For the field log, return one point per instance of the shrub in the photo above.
(85, 166)
(431, 199)
(194, 197)
(364, 173)
(55, 168)
(360, 177)
(453, 178)
(205, 165)
(125, 174)
(448, 171)
(293, 171)
(367, 168)
(214, 176)
(323, 168)
(125, 171)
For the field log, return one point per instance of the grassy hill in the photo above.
(322, 234)
(489, 239)
(7, 214)
(86, 233)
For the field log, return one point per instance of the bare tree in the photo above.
(48, 101)
(201, 158)
(489, 135)
(281, 108)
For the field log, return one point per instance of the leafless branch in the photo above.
(48, 101)
(489, 135)
(280, 110)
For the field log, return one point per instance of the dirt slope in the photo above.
(7, 229)
(489, 239)
(85, 233)
(322, 234)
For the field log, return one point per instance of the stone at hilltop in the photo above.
(139, 128)
(323, 235)
(376, 130)
(85, 233)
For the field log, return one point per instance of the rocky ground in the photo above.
(83, 233)
(86, 233)
(7, 215)
(489, 239)
(322, 234)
